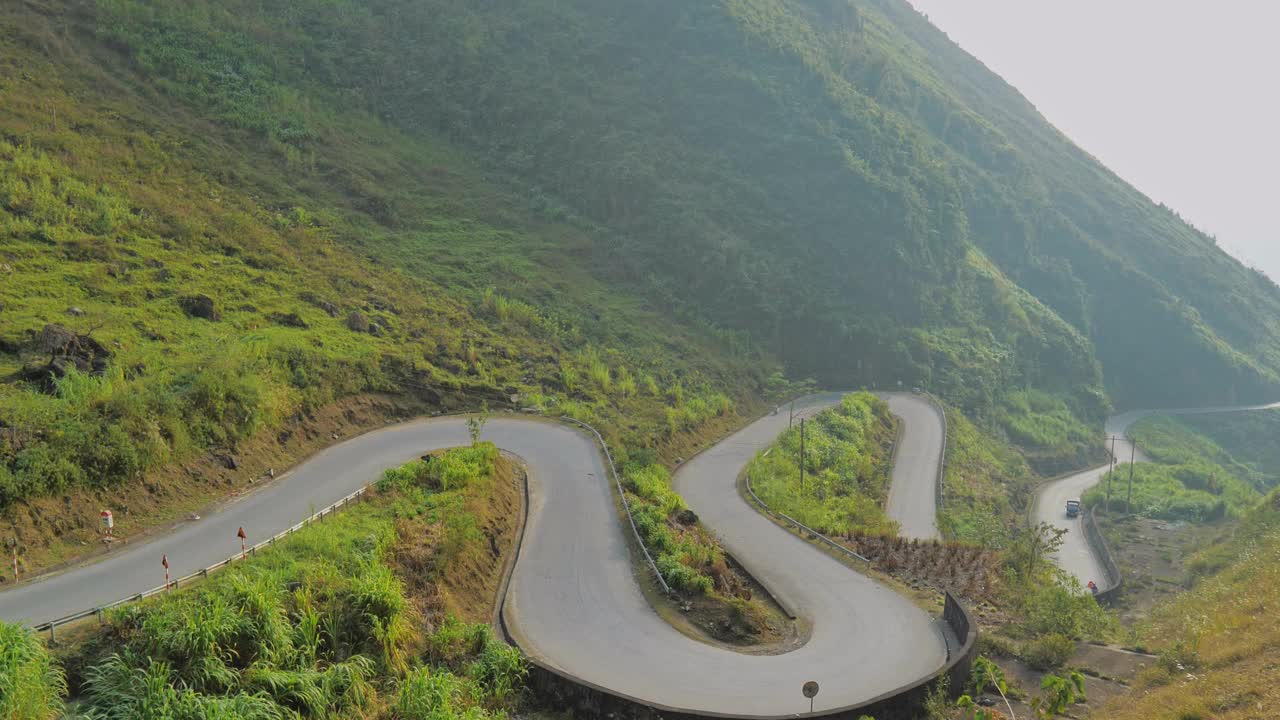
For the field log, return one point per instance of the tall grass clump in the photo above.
(32, 684)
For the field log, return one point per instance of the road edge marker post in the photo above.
(241, 534)
(164, 560)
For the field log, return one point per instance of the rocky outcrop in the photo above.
(67, 350)
(200, 306)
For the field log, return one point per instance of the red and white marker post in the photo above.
(240, 534)
(108, 526)
(164, 560)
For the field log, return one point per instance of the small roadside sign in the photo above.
(810, 690)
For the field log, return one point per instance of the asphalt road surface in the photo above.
(573, 602)
(913, 493)
(1076, 556)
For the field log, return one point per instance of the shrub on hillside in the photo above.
(1048, 652)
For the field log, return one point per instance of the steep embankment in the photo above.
(1218, 641)
(190, 290)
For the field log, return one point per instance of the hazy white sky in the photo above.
(1180, 98)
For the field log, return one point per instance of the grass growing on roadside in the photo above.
(1192, 477)
(846, 469)
(985, 488)
(689, 558)
(1219, 642)
(31, 682)
(320, 625)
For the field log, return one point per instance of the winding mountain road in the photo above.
(1076, 556)
(574, 603)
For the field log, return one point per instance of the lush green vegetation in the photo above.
(121, 210)
(688, 557)
(1240, 444)
(1217, 642)
(1053, 438)
(889, 172)
(1196, 492)
(31, 683)
(985, 488)
(1192, 476)
(1048, 609)
(847, 456)
(1246, 440)
(321, 625)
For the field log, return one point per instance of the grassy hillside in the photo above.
(176, 282)
(1218, 642)
(817, 172)
(846, 463)
(1243, 440)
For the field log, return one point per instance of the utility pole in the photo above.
(801, 454)
(1133, 459)
(1111, 473)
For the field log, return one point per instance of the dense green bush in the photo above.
(684, 554)
(1048, 652)
(1197, 492)
(846, 473)
(314, 627)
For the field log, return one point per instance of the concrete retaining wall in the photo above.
(1114, 580)
(591, 701)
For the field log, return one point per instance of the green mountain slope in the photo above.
(618, 210)
(175, 281)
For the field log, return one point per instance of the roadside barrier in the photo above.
(942, 458)
(801, 526)
(1097, 543)
(625, 504)
(203, 572)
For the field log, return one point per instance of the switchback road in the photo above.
(1076, 556)
(573, 602)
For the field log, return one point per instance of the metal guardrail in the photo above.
(800, 525)
(942, 460)
(203, 572)
(625, 504)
